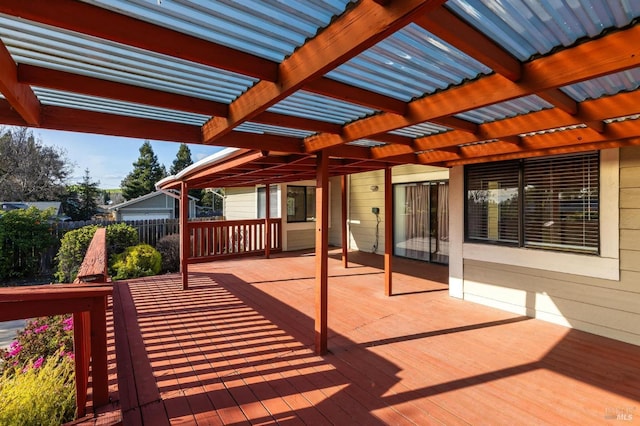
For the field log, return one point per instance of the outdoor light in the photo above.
(373, 188)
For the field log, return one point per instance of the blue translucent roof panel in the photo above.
(318, 107)
(269, 129)
(410, 63)
(419, 130)
(110, 106)
(506, 109)
(534, 27)
(604, 86)
(40, 45)
(269, 29)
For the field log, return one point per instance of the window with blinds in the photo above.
(549, 203)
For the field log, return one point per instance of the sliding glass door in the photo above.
(421, 221)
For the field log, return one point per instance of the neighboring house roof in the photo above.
(144, 197)
(40, 205)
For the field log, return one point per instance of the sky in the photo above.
(110, 158)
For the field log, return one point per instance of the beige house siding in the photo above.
(608, 307)
(362, 222)
(241, 203)
(335, 215)
(300, 239)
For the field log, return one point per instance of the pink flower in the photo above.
(14, 348)
(67, 324)
(41, 329)
(38, 362)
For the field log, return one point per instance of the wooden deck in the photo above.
(237, 348)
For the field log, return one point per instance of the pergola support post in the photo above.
(388, 235)
(345, 249)
(322, 255)
(184, 234)
(267, 224)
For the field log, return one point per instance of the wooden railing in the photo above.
(229, 238)
(94, 265)
(44, 300)
(88, 304)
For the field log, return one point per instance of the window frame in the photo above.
(306, 194)
(522, 242)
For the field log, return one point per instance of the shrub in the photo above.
(24, 235)
(40, 393)
(119, 237)
(137, 261)
(74, 245)
(41, 338)
(169, 248)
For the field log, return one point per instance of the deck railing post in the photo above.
(99, 373)
(267, 222)
(388, 235)
(184, 234)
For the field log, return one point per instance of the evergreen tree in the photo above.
(182, 160)
(146, 172)
(80, 202)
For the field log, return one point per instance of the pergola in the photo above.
(313, 88)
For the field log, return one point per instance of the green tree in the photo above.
(146, 172)
(24, 235)
(80, 202)
(29, 170)
(182, 160)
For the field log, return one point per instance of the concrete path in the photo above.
(8, 331)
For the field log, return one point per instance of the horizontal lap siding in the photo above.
(240, 203)
(605, 307)
(300, 239)
(362, 223)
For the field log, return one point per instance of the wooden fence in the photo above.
(149, 232)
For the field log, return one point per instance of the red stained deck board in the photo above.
(237, 348)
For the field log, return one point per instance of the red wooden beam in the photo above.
(353, 32)
(184, 235)
(343, 223)
(60, 80)
(19, 95)
(611, 53)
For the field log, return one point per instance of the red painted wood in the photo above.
(343, 221)
(322, 246)
(237, 348)
(388, 233)
(95, 263)
(185, 252)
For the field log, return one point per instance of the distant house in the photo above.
(155, 205)
(40, 205)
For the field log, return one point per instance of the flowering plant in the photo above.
(41, 338)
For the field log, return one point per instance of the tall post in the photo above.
(267, 224)
(184, 234)
(388, 235)
(322, 254)
(345, 249)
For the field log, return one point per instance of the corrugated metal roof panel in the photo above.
(267, 28)
(35, 44)
(367, 143)
(535, 27)
(506, 109)
(604, 86)
(419, 130)
(258, 128)
(318, 107)
(97, 104)
(410, 63)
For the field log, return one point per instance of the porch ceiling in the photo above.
(375, 82)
